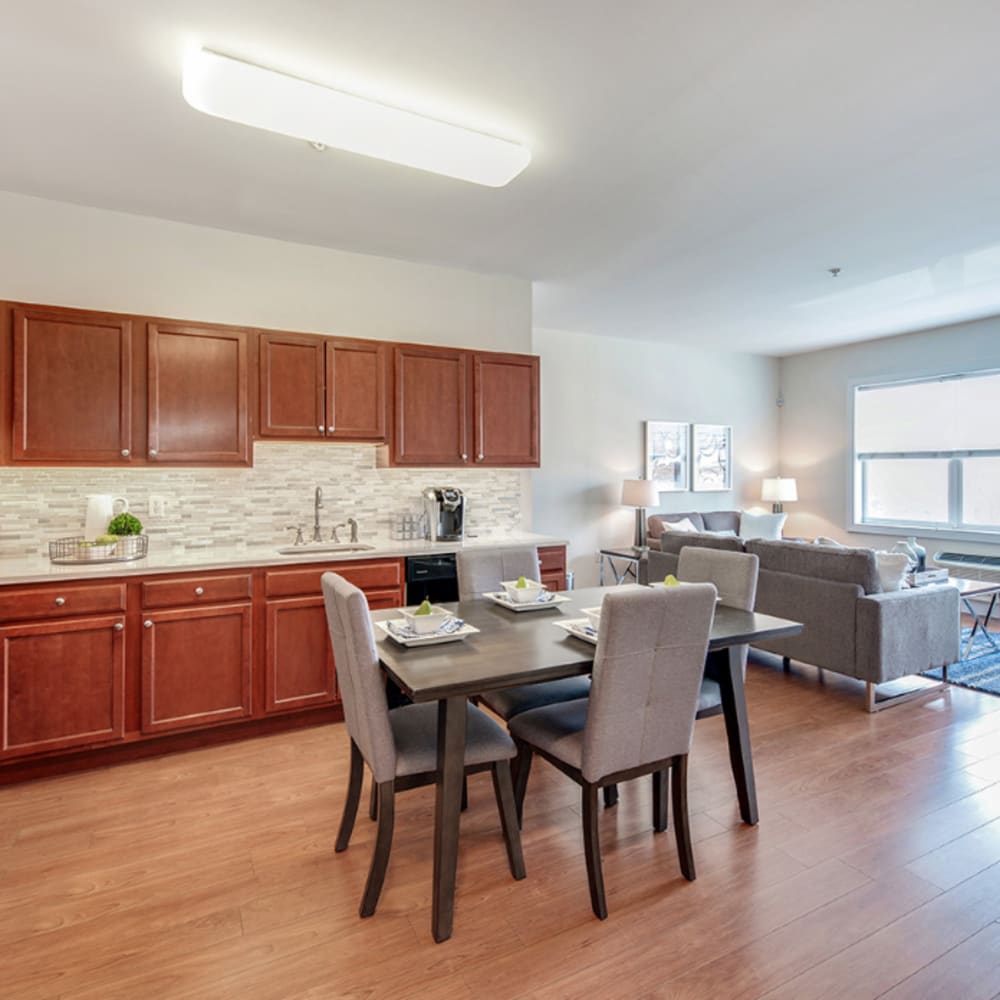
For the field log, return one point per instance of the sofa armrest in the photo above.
(907, 632)
(659, 564)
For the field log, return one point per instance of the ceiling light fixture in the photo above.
(262, 98)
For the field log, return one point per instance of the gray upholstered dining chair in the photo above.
(640, 715)
(482, 570)
(400, 746)
(735, 577)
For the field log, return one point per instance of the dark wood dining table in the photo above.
(524, 648)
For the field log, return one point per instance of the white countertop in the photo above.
(38, 569)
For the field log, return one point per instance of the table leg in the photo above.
(980, 624)
(729, 671)
(600, 571)
(447, 810)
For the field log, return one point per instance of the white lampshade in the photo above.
(778, 490)
(640, 493)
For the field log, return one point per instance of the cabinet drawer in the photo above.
(552, 558)
(56, 602)
(196, 590)
(367, 576)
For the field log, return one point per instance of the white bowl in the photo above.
(522, 595)
(593, 616)
(426, 624)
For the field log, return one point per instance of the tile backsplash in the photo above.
(228, 506)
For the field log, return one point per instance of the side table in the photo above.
(625, 563)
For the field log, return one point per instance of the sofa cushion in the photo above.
(845, 565)
(722, 520)
(655, 522)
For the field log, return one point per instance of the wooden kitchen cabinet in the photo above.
(197, 395)
(505, 401)
(322, 387)
(72, 387)
(552, 566)
(63, 684)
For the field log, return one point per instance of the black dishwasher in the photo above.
(431, 577)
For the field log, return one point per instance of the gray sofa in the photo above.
(851, 626)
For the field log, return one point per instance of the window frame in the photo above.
(855, 483)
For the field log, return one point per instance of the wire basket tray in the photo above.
(79, 550)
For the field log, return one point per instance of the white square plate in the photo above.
(551, 600)
(578, 627)
(423, 640)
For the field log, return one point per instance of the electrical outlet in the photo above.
(157, 506)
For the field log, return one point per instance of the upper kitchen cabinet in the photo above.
(322, 387)
(72, 388)
(459, 408)
(431, 419)
(505, 409)
(197, 395)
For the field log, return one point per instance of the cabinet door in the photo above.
(196, 666)
(431, 407)
(355, 390)
(197, 395)
(63, 685)
(300, 670)
(505, 407)
(72, 387)
(292, 381)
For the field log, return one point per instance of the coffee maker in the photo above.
(445, 510)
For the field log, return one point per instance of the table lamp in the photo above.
(778, 491)
(640, 493)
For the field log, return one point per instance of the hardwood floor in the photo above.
(875, 871)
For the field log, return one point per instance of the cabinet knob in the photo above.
(198, 591)
(119, 627)
(321, 428)
(465, 457)
(152, 453)
(147, 624)
(125, 453)
(60, 601)
(480, 457)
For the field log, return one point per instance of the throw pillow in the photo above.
(685, 524)
(892, 567)
(724, 533)
(766, 526)
(832, 542)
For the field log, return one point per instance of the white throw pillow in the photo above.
(684, 524)
(892, 567)
(726, 533)
(767, 526)
(832, 542)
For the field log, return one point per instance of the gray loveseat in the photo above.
(851, 626)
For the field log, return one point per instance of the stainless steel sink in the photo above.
(323, 548)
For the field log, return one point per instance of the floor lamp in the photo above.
(640, 493)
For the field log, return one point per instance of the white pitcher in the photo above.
(101, 507)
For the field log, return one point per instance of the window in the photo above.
(927, 453)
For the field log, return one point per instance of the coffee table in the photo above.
(968, 589)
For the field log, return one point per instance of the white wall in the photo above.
(62, 254)
(596, 394)
(815, 420)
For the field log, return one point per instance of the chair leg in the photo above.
(610, 796)
(660, 801)
(786, 664)
(503, 789)
(383, 845)
(373, 803)
(592, 852)
(522, 768)
(352, 800)
(682, 830)
(465, 792)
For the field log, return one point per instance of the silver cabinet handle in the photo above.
(147, 624)
(465, 457)
(125, 453)
(60, 601)
(152, 453)
(321, 428)
(480, 457)
(119, 627)
(198, 591)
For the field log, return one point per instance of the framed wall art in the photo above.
(711, 458)
(667, 461)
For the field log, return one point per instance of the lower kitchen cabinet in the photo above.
(196, 667)
(299, 667)
(552, 566)
(63, 684)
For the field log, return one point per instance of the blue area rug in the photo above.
(981, 671)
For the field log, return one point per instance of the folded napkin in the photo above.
(403, 631)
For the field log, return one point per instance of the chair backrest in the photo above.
(359, 676)
(733, 573)
(647, 676)
(480, 570)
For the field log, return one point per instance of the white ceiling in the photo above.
(697, 166)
